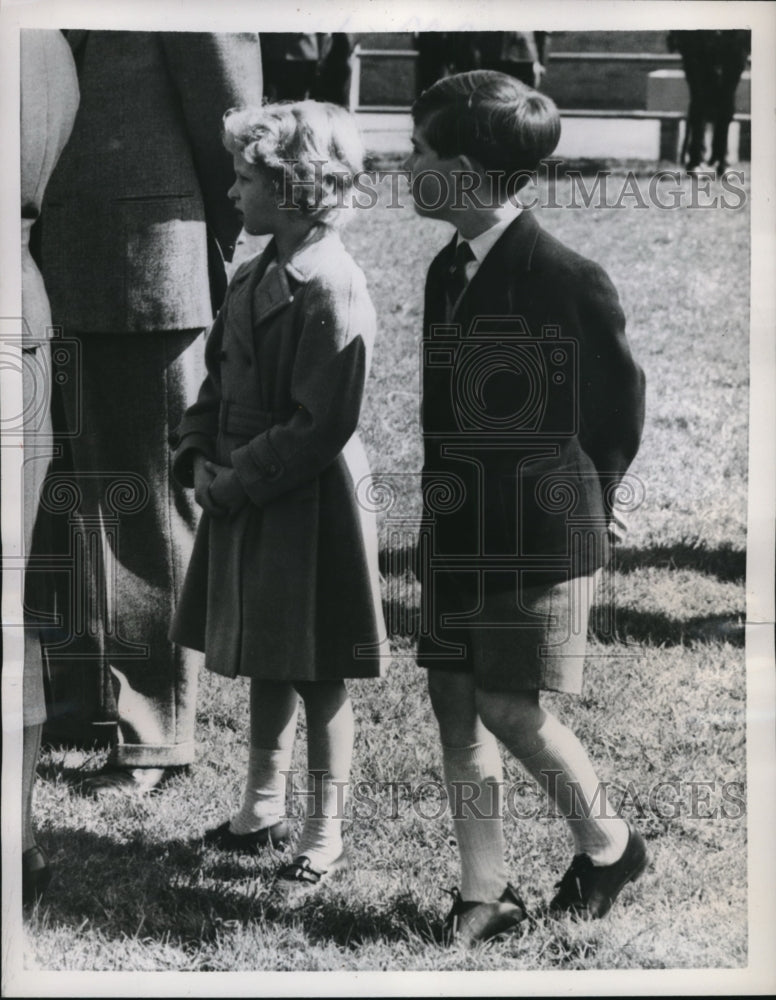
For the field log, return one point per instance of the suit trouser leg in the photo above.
(729, 75)
(132, 531)
(699, 81)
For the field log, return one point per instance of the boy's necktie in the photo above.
(456, 276)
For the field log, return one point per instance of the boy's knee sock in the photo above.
(264, 799)
(474, 778)
(563, 769)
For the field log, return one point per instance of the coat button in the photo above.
(222, 355)
(272, 469)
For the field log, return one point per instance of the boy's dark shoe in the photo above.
(588, 890)
(247, 843)
(475, 922)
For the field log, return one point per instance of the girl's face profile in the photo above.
(255, 197)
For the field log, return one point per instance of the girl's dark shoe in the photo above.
(588, 890)
(471, 923)
(36, 875)
(300, 873)
(248, 843)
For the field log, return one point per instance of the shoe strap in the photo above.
(300, 870)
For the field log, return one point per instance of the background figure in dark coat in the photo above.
(335, 70)
(713, 62)
(440, 53)
(136, 225)
(521, 54)
(299, 66)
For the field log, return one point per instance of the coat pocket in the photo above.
(165, 284)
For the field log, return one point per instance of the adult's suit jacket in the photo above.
(131, 243)
(532, 409)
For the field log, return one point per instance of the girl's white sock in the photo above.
(264, 798)
(329, 751)
(321, 838)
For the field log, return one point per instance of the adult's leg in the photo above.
(474, 779)
(30, 751)
(728, 75)
(698, 81)
(134, 527)
(36, 874)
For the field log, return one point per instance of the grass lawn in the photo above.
(663, 711)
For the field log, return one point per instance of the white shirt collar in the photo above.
(482, 245)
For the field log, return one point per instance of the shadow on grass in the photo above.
(630, 627)
(349, 923)
(645, 628)
(176, 892)
(726, 563)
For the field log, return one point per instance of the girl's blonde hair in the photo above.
(312, 149)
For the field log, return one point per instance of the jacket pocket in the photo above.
(165, 275)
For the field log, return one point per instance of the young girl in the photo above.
(283, 584)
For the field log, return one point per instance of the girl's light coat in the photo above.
(287, 588)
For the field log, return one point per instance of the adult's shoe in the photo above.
(128, 781)
(36, 875)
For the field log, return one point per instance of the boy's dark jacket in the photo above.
(532, 411)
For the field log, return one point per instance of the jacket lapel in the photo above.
(436, 302)
(271, 294)
(492, 290)
(273, 290)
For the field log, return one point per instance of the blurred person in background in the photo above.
(298, 66)
(713, 62)
(521, 54)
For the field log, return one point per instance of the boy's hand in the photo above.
(203, 477)
(225, 489)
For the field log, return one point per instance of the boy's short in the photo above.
(537, 643)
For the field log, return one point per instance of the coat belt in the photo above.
(246, 421)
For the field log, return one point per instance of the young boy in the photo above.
(532, 411)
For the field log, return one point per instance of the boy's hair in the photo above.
(504, 125)
(310, 148)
